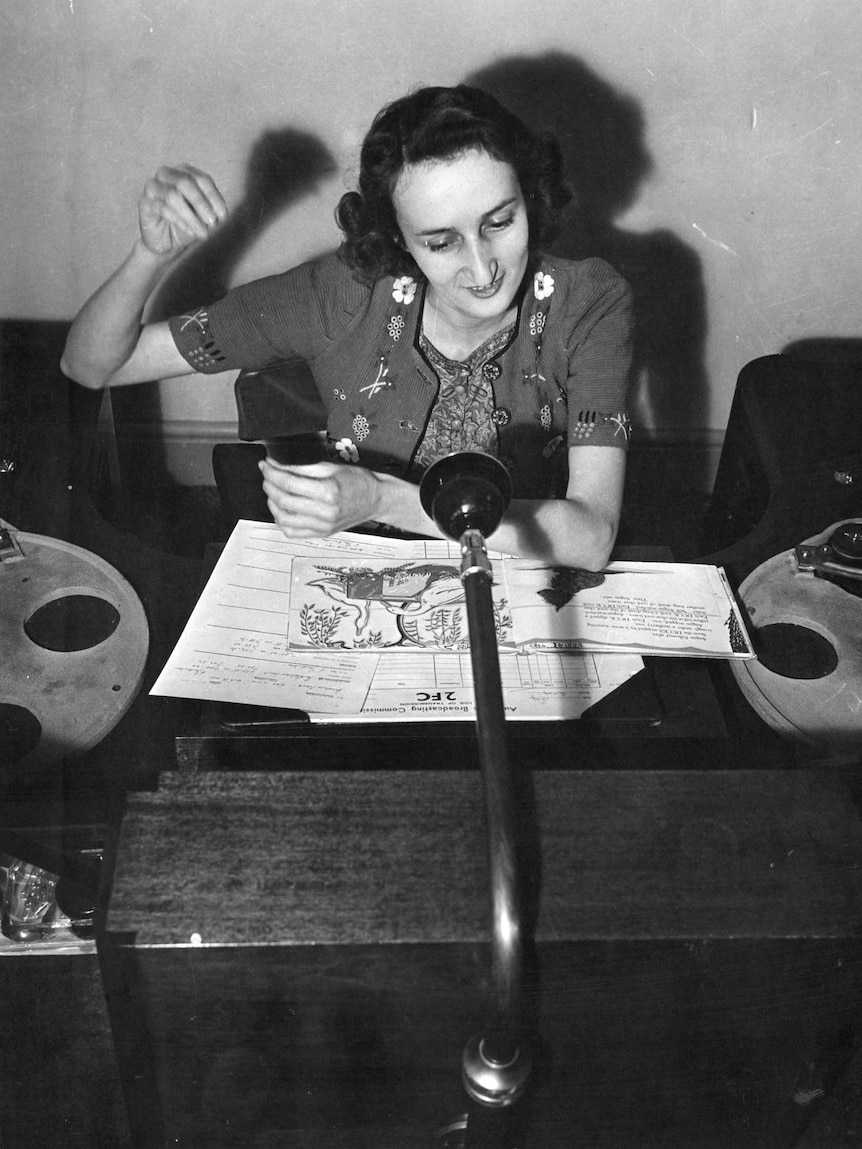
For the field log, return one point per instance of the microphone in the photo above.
(466, 494)
(466, 491)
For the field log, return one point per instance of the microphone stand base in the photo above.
(491, 1082)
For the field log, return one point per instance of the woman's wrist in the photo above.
(399, 505)
(152, 262)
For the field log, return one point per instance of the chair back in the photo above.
(791, 463)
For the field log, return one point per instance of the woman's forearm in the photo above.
(105, 332)
(179, 207)
(563, 532)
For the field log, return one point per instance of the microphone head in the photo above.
(466, 491)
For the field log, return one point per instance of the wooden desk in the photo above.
(295, 948)
(303, 953)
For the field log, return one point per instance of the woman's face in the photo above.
(464, 221)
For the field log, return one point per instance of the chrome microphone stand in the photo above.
(467, 494)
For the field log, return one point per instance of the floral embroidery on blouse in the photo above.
(543, 289)
(587, 422)
(347, 449)
(552, 446)
(622, 424)
(205, 353)
(381, 381)
(537, 322)
(361, 425)
(200, 319)
(404, 290)
(543, 285)
(585, 425)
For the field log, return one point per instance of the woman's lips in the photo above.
(487, 292)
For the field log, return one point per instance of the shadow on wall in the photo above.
(601, 133)
(827, 349)
(283, 166)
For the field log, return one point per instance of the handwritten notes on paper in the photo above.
(365, 628)
(234, 646)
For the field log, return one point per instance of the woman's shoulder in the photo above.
(581, 297)
(339, 289)
(332, 283)
(321, 278)
(321, 293)
(580, 275)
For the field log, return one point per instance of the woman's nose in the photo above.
(480, 264)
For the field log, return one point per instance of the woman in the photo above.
(440, 325)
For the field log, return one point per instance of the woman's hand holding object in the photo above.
(319, 499)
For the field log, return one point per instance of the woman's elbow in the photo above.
(596, 559)
(594, 547)
(78, 373)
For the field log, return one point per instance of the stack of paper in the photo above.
(355, 627)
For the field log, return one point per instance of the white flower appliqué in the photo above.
(404, 289)
(348, 450)
(543, 285)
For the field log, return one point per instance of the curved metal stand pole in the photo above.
(496, 1063)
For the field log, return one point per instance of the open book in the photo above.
(634, 608)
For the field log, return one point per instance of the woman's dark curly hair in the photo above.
(439, 124)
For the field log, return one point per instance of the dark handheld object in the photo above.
(467, 494)
(296, 450)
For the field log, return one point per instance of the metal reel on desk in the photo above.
(805, 606)
(73, 647)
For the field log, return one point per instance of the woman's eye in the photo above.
(441, 244)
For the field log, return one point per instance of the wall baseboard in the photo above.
(177, 452)
(180, 452)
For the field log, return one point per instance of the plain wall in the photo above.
(716, 147)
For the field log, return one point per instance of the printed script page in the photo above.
(684, 609)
